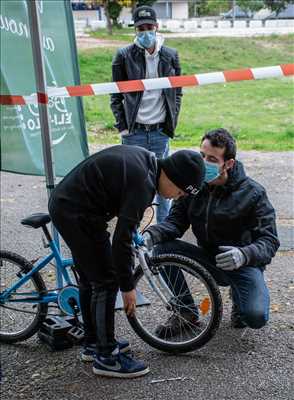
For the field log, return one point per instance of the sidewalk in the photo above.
(255, 366)
(86, 42)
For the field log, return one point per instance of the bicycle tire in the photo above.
(39, 316)
(196, 269)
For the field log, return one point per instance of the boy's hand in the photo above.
(129, 299)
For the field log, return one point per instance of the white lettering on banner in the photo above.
(20, 29)
(33, 124)
(10, 25)
(58, 103)
(48, 43)
(56, 119)
(34, 109)
(27, 119)
(60, 118)
(40, 6)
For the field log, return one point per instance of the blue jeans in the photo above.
(249, 291)
(158, 143)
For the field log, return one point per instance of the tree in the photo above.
(112, 9)
(105, 5)
(136, 3)
(250, 5)
(215, 7)
(277, 5)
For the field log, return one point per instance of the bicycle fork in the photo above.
(156, 282)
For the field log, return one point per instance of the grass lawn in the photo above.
(260, 114)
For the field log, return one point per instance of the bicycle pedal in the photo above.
(73, 320)
(76, 334)
(53, 332)
(55, 326)
(54, 343)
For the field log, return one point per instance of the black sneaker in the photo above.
(236, 321)
(89, 351)
(176, 323)
(119, 365)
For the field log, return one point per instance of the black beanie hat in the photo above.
(185, 168)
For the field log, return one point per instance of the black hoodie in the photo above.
(235, 214)
(118, 181)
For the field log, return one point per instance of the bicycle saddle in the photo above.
(36, 220)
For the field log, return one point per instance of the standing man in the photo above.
(118, 181)
(149, 118)
(234, 225)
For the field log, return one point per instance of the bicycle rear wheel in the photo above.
(19, 320)
(194, 303)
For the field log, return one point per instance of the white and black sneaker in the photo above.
(89, 351)
(119, 365)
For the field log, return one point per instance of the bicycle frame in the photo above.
(61, 265)
(156, 282)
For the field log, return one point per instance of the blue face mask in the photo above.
(147, 39)
(211, 171)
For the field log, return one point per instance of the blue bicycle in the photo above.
(168, 286)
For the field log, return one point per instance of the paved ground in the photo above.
(256, 366)
(84, 41)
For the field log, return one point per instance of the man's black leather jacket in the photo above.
(129, 64)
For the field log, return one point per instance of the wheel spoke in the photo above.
(181, 325)
(19, 320)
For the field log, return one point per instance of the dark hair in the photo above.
(223, 139)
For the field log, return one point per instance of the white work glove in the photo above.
(148, 241)
(125, 132)
(230, 259)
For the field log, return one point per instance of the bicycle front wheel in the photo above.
(193, 312)
(22, 319)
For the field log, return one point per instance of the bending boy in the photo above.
(119, 181)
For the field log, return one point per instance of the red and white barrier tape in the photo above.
(277, 71)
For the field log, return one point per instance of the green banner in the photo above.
(21, 146)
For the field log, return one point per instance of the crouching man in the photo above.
(234, 225)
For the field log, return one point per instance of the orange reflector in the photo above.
(205, 305)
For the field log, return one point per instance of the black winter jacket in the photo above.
(129, 64)
(236, 214)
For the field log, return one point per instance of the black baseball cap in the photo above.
(144, 15)
(186, 169)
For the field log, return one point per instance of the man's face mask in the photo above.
(147, 39)
(212, 171)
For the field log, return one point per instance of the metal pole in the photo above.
(41, 86)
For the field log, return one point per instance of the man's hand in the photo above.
(148, 241)
(129, 299)
(230, 259)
